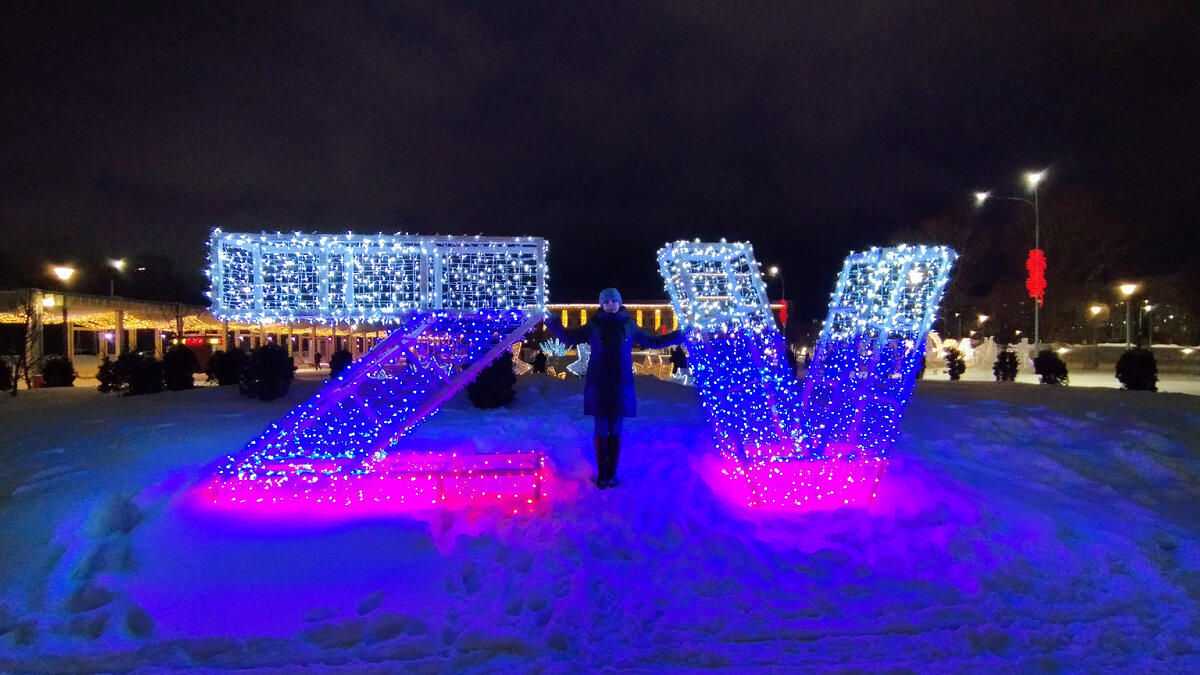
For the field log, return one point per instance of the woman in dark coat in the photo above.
(608, 393)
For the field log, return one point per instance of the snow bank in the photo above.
(1018, 528)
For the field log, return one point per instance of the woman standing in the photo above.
(608, 393)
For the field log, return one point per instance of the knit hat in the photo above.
(610, 294)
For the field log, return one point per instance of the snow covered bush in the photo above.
(1050, 367)
(1005, 368)
(493, 387)
(1137, 370)
(955, 365)
(340, 361)
(178, 365)
(58, 371)
(268, 373)
(226, 366)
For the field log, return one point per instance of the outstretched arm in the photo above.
(571, 336)
(651, 341)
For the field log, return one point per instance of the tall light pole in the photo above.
(64, 275)
(774, 272)
(1095, 309)
(1148, 308)
(118, 265)
(1032, 179)
(1127, 290)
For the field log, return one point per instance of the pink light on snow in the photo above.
(795, 484)
(398, 483)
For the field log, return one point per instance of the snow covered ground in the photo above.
(1019, 528)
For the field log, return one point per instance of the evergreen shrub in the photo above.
(1005, 368)
(226, 366)
(340, 361)
(955, 365)
(268, 373)
(1050, 367)
(179, 363)
(57, 371)
(140, 374)
(1137, 370)
(107, 374)
(493, 387)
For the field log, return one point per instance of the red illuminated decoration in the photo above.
(1036, 283)
(194, 341)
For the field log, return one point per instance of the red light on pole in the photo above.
(1036, 283)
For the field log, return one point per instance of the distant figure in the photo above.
(539, 362)
(317, 361)
(679, 359)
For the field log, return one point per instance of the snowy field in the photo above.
(1019, 528)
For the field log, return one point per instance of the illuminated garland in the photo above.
(825, 447)
(377, 279)
(456, 303)
(871, 347)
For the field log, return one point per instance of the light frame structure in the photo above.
(373, 279)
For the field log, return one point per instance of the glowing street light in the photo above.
(1127, 290)
(1095, 310)
(774, 272)
(63, 273)
(118, 265)
(1032, 179)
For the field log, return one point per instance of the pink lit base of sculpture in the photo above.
(396, 484)
(795, 484)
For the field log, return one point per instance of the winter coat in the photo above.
(608, 385)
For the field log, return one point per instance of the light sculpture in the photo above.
(456, 303)
(520, 367)
(554, 347)
(578, 368)
(824, 445)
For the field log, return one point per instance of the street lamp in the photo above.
(64, 274)
(1127, 290)
(774, 272)
(1148, 308)
(1095, 310)
(118, 265)
(982, 319)
(1032, 179)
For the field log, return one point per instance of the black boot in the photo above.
(614, 455)
(601, 443)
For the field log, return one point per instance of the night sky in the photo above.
(807, 128)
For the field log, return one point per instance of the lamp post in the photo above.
(64, 275)
(1148, 308)
(1127, 290)
(982, 318)
(118, 265)
(774, 272)
(1095, 309)
(1032, 179)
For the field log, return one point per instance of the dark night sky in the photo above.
(809, 129)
